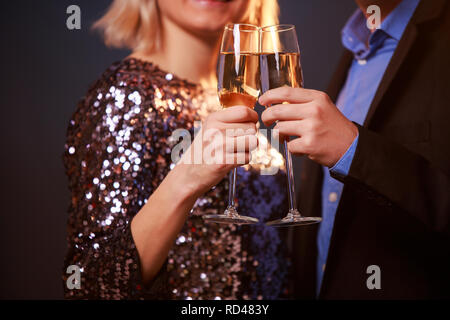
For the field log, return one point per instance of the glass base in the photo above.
(292, 219)
(230, 216)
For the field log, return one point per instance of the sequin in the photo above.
(118, 152)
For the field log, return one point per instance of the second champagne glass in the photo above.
(238, 84)
(280, 66)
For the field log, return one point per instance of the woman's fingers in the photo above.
(238, 159)
(246, 129)
(246, 143)
(219, 147)
(226, 144)
(229, 136)
(236, 114)
(236, 129)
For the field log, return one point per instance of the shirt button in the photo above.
(362, 62)
(332, 197)
(323, 267)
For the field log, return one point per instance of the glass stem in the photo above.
(290, 179)
(232, 188)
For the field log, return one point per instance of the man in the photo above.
(378, 167)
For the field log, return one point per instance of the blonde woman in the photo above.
(135, 226)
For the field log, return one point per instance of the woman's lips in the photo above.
(211, 3)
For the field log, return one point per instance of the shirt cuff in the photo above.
(342, 167)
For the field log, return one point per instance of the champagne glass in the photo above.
(280, 66)
(238, 84)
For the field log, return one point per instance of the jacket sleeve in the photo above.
(397, 178)
(110, 161)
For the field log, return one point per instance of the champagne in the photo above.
(281, 69)
(239, 79)
(229, 99)
(238, 83)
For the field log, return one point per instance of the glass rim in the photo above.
(252, 27)
(278, 28)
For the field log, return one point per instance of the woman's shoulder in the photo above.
(118, 106)
(125, 96)
(138, 72)
(131, 73)
(117, 94)
(136, 77)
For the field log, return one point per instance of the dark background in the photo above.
(46, 69)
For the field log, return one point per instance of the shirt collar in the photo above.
(355, 32)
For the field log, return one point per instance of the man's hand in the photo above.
(324, 133)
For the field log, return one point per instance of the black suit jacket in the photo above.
(395, 207)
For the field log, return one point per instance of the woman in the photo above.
(135, 226)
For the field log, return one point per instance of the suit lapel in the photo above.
(427, 10)
(400, 53)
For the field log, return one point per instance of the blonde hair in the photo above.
(135, 24)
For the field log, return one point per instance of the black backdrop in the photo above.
(45, 70)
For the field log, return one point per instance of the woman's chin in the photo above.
(203, 16)
(207, 29)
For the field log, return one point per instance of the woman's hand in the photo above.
(225, 141)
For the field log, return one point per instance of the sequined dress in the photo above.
(118, 151)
